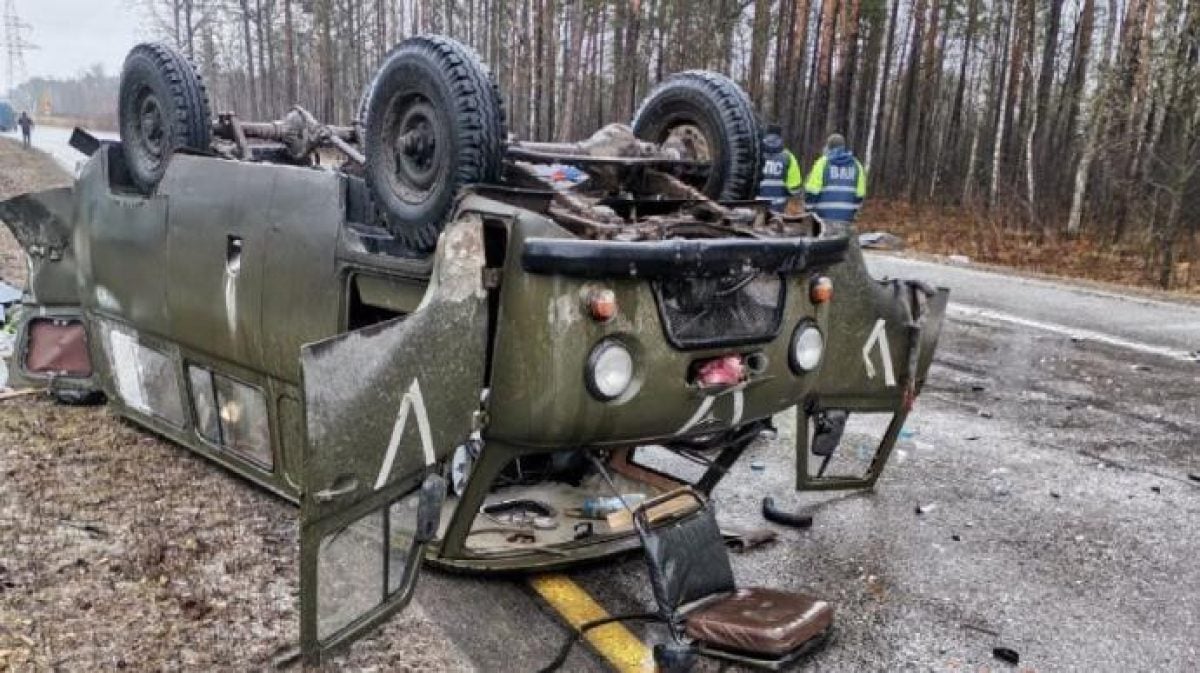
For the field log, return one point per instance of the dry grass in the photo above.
(958, 231)
(21, 171)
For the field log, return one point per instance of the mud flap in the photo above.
(384, 406)
(882, 338)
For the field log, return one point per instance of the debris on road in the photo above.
(961, 260)
(742, 541)
(1194, 476)
(880, 240)
(775, 515)
(925, 509)
(1007, 655)
(758, 465)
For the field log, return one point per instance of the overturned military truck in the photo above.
(446, 352)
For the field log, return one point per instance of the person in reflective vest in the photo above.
(781, 175)
(837, 183)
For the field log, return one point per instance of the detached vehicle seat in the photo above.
(694, 587)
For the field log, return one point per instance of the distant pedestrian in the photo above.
(26, 124)
(781, 174)
(837, 183)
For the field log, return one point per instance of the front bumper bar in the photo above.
(694, 258)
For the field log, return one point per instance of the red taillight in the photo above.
(821, 290)
(726, 370)
(602, 305)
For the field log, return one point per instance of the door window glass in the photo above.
(231, 415)
(361, 566)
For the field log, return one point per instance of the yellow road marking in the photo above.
(614, 642)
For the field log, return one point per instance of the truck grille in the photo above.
(718, 312)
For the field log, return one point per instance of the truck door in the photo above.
(880, 345)
(384, 405)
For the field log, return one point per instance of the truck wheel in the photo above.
(434, 123)
(711, 115)
(163, 108)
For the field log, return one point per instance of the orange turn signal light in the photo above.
(602, 305)
(821, 290)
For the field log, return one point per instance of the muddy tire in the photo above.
(715, 109)
(434, 123)
(163, 108)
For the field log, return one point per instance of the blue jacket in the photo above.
(836, 186)
(781, 176)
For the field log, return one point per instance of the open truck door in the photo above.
(882, 338)
(384, 405)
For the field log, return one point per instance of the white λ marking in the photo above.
(414, 401)
(739, 403)
(879, 336)
(696, 417)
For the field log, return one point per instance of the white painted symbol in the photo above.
(414, 401)
(739, 403)
(879, 336)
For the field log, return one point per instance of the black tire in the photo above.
(163, 108)
(436, 93)
(721, 111)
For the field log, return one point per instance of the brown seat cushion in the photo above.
(760, 621)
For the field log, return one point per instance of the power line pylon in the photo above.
(15, 45)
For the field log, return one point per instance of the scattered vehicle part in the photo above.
(743, 541)
(521, 513)
(775, 515)
(1007, 655)
(699, 601)
(925, 509)
(880, 240)
(442, 294)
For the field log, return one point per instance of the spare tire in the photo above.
(434, 123)
(704, 106)
(163, 108)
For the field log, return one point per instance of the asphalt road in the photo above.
(1050, 454)
(56, 142)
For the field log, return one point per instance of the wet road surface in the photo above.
(1059, 519)
(56, 142)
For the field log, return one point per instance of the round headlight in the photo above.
(807, 348)
(609, 370)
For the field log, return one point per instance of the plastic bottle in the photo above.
(598, 507)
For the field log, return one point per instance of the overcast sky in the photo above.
(71, 35)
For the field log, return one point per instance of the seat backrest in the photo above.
(686, 558)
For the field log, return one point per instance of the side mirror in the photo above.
(429, 510)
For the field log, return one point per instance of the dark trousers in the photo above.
(26, 137)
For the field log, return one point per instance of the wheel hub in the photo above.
(416, 147)
(151, 126)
